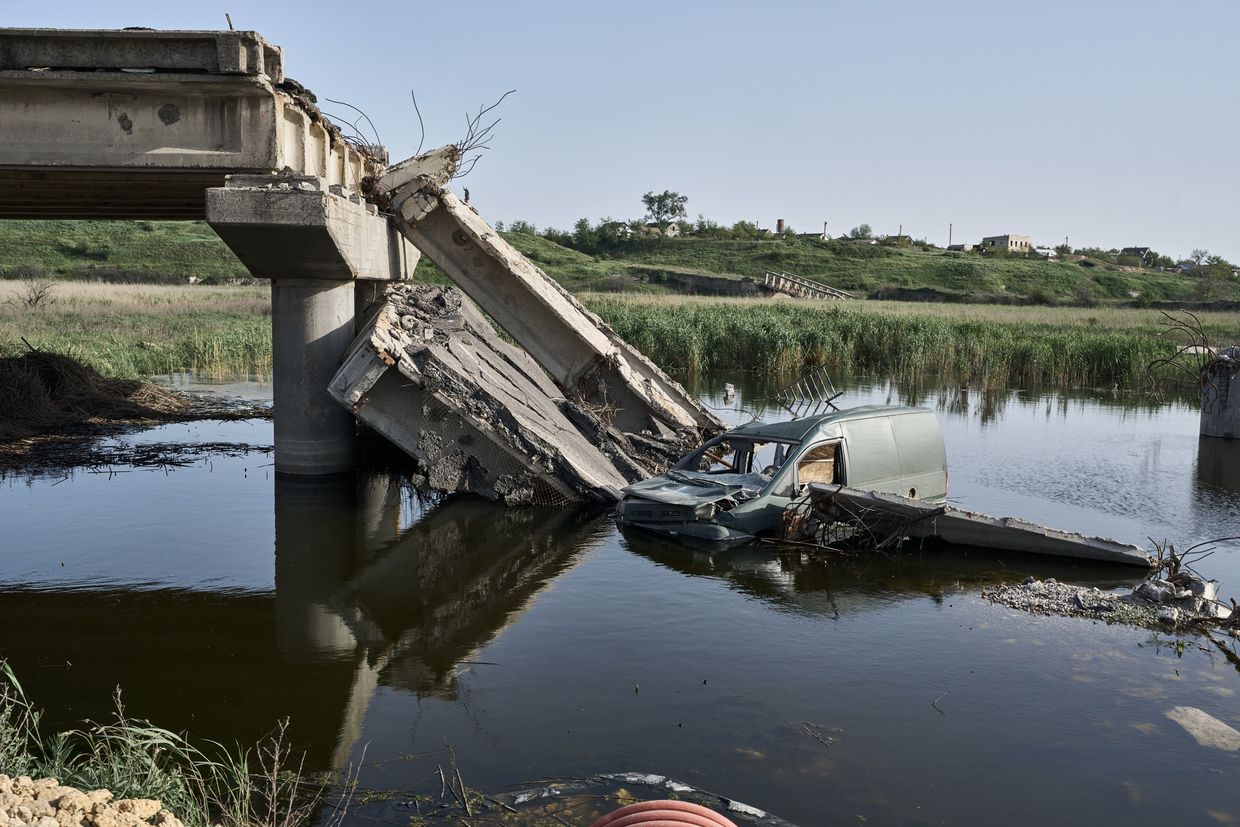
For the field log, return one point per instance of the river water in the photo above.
(541, 644)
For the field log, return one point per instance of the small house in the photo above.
(1006, 243)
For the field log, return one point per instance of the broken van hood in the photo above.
(681, 490)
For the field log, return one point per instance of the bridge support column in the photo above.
(316, 243)
(311, 328)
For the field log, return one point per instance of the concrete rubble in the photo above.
(26, 802)
(478, 414)
(1153, 603)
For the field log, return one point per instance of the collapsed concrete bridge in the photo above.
(184, 125)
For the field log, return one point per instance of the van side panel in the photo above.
(923, 459)
(872, 457)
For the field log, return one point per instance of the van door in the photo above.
(873, 462)
(923, 459)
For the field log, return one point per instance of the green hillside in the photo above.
(176, 251)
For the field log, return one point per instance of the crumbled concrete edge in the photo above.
(1153, 604)
(47, 803)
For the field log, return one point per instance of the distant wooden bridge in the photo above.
(792, 285)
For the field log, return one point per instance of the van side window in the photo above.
(818, 464)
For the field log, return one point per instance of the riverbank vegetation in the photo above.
(982, 346)
(202, 786)
(133, 331)
(146, 330)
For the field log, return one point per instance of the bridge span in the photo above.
(144, 124)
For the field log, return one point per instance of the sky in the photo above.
(1110, 124)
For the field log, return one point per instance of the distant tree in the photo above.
(861, 231)
(745, 229)
(520, 226)
(1063, 250)
(1198, 255)
(664, 208)
(499, 226)
(1215, 261)
(585, 238)
(705, 227)
(789, 232)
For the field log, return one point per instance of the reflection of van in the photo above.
(736, 486)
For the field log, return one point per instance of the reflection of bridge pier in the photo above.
(404, 608)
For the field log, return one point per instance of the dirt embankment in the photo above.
(25, 802)
(48, 397)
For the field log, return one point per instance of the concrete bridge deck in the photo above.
(138, 124)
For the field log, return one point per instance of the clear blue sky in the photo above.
(1112, 123)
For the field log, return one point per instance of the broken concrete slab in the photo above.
(585, 358)
(478, 414)
(892, 518)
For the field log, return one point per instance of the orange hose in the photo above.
(664, 814)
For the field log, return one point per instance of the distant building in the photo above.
(960, 248)
(1046, 252)
(672, 230)
(1007, 243)
(1135, 252)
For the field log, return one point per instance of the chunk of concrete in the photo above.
(478, 414)
(585, 357)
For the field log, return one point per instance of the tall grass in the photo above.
(143, 330)
(261, 787)
(782, 337)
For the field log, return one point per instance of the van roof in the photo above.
(797, 430)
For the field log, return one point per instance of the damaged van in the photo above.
(736, 486)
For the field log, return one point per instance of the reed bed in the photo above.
(777, 337)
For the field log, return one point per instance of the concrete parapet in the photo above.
(299, 226)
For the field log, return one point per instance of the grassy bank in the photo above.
(983, 346)
(144, 330)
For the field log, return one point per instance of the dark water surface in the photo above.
(544, 643)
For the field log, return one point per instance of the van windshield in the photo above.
(731, 460)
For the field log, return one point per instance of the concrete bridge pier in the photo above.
(1220, 395)
(311, 326)
(315, 243)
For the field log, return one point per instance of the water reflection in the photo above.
(405, 608)
(836, 586)
(1218, 468)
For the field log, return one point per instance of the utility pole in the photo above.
(949, 234)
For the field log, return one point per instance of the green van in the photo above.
(736, 486)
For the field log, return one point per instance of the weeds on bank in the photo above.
(264, 786)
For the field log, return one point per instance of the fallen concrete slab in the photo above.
(586, 359)
(830, 511)
(478, 414)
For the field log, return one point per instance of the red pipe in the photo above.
(664, 814)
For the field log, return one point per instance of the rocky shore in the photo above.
(25, 802)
